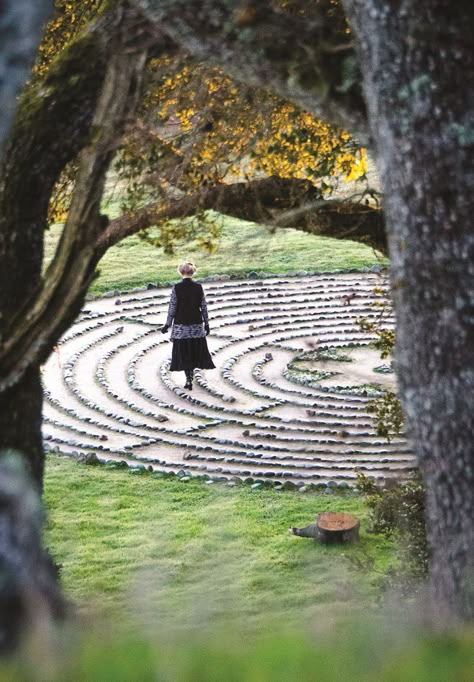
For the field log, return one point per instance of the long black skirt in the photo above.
(190, 354)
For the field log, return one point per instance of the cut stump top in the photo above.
(334, 521)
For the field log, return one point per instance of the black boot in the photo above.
(189, 379)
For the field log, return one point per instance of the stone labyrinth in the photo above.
(109, 390)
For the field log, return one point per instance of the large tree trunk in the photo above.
(36, 310)
(102, 67)
(418, 68)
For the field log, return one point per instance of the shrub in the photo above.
(399, 511)
(388, 415)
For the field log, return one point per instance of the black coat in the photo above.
(189, 298)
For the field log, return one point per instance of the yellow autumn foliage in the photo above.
(218, 130)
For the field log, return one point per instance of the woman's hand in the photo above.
(164, 328)
(207, 329)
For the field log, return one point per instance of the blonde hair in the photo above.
(187, 269)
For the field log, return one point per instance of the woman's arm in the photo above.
(205, 315)
(171, 308)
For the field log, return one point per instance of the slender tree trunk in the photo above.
(48, 131)
(20, 421)
(21, 26)
(418, 68)
(21, 254)
(101, 71)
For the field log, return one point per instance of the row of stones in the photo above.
(222, 396)
(68, 376)
(184, 475)
(291, 443)
(301, 326)
(316, 282)
(224, 441)
(341, 479)
(169, 384)
(208, 467)
(80, 417)
(402, 454)
(238, 301)
(101, 378)
(157, 440)
(296, 315)
(228, 366)
(242, 279)
(306, 306)
(309, 461)
(263, 381)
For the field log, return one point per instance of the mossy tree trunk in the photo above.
(51, 126)
(101, 72)
(418, 70)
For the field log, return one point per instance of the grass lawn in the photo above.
(243, 247)
(195, 583)
(138, 543)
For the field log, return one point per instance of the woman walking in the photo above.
(188, 313)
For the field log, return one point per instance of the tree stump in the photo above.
(331, 528)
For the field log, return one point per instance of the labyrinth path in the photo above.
(109, 390)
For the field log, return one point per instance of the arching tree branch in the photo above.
(308, 57)
(274, 201)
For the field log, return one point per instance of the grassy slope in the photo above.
(199, 548)
(243, 247)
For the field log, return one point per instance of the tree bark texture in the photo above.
(52, 125)
(30, 599)
(20, 420)
(21, 27)
(418, 68)
(32, 335)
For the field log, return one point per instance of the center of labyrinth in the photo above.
(271, 411)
